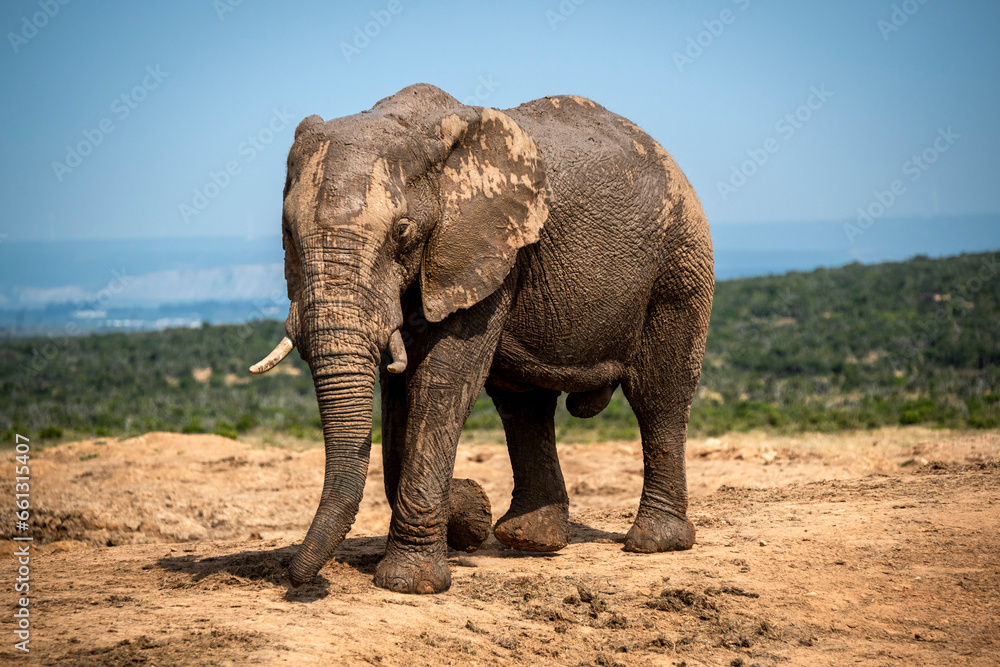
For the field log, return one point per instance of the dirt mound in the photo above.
(877, 548)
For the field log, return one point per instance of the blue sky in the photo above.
(200, 79)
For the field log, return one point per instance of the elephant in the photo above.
(547, 248)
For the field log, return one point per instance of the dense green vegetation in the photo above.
(916, 342)
(856, 347)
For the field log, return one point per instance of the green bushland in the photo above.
(915, 342)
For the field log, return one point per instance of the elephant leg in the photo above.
(660, 387)
(446, 377)
(538, 518)
(393, 429)
(470, 518)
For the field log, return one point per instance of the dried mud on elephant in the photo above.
(811, 550)
(447, 248)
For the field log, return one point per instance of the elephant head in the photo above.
(419, 190)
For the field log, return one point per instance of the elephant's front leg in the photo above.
(443, 389)
(393, 430)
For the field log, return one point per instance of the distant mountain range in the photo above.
(138, 272)
(87, 285)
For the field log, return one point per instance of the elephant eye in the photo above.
(403, 230)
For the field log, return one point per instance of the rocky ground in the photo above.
(872, 548)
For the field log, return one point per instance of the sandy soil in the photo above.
(812, 550)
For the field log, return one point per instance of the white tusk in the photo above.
(272, 360)
(398, 352)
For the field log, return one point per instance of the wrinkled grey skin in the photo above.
(547, 248)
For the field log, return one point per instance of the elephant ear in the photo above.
(494, 202)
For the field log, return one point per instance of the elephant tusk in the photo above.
(272, 360)
(398, 352)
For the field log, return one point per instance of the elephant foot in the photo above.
(542, 529)
(665, 532)
(414, 573)
(469, 515)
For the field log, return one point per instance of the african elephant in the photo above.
(552, 247)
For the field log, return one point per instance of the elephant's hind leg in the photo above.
(660, 387)
(538, 518)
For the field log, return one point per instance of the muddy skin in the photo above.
(553, 247)
(653, 534)
(538, 518)
(590, 403)
(470, 515)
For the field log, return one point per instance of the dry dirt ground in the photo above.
(811, 550)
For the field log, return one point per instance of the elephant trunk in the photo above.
(345, 384)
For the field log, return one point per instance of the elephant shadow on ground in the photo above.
(264, 567)
(581, 532)
(361, 553)
(260, 568)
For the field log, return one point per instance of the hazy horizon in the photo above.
(144, 272)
